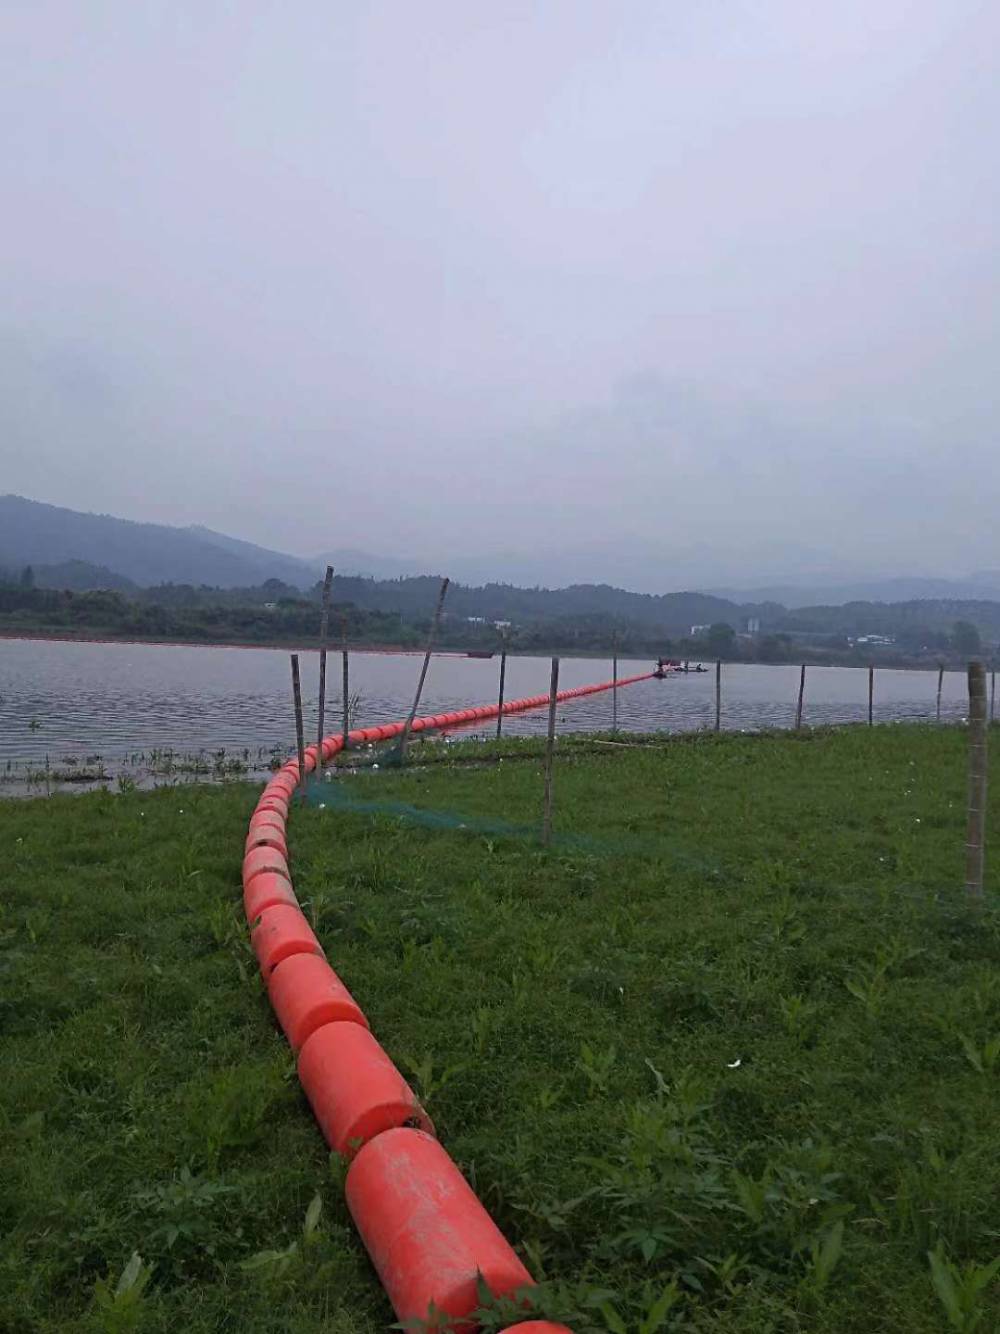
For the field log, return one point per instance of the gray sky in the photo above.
(591, 283)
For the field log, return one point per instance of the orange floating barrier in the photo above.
(427, 1234)
(280, 932)
(267, 891)
(354, 1089)
(306, 993)
(259, 860)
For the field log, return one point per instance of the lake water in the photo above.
(119, 701)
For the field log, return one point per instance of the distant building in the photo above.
(697, 630)
(753, 625)
(876, 641)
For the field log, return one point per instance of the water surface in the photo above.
(117, 701)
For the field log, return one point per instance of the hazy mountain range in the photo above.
(71, 549)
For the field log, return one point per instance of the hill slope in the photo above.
(33, 533)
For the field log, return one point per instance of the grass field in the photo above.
(725, 1058)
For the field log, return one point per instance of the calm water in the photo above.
(120, 700)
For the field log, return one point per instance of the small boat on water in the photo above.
(479, 653)
(673, 666)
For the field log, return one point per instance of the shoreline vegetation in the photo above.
(726, 1051)
(393, 616)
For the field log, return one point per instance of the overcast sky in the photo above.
(596, 282)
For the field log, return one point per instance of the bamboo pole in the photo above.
(974, 839)
(718, 694)
(940, 683)
(345, 686)
(503, 677)
(324, 630)
(550, 743)
(299, 734)
(614, 677)
(871, 695)
(423, 671)
(993, 690)
(798, 706)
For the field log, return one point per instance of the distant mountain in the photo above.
(982, 586)
(81, 577)
(32, 533)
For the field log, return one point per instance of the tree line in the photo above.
(397, 612)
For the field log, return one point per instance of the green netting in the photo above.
(337, 796)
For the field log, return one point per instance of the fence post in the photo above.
(614, 678)
(871, 693)
(423, 671)
(299, 735)
(798, 707)
(345, 686)
(503, 677)
(993, 690)
(550, 743)
(974, 852)
(718, 694)
(940, 683)
(324, 628)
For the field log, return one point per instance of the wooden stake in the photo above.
(299, 734)
(974, 839)
(614, 677)
(324, 629)
(940, 682)
(423, 671)
(871, 694)
(993, 690)
(798, 707)
(503, 676)
(550, 744)
(345, 686)
(718, 695)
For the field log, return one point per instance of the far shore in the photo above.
(45, 637)
(811, 659)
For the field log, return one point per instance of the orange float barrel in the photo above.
(355, 1090)
(267, 891)
(277, 819)
(280, 932)
(259, 860)
(305, 994)
(536, 1327)
(266, 836)
(271, 804)
(426, 1232)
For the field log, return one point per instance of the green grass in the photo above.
(727, 1054)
